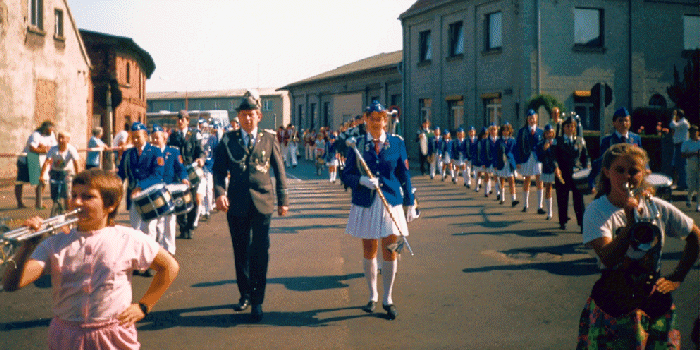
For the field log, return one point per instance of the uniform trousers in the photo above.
(166, 232)
(186, 222)
(562, 190)
(251, 243)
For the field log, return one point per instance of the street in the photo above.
(484, 276)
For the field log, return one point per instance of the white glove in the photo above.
(372, 183)
(411, 214)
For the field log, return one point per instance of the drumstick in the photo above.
(381, 196)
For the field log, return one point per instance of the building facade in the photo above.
(275, 104)
(44, 75)
(334, 97)
(118, 64)
(479, 62)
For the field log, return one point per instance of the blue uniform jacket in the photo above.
(459, 147)
(445, 146)
(434, 145)
(208, 149)
(526, 143)
(473, 145)
(505, 153)
(390, 166)
(489, 152)
(142, 172)
(547, 157)
(173, 171)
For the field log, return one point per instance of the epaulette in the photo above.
(270, 131)
(397, 135)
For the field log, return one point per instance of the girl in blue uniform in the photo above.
(505, 163)
(445, 147)
(545, 153)
(478, 157)
(370, 218)
(459, 156)
(434, 151)
(490, 150)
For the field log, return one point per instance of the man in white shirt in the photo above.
(39, 142)
(680, 126)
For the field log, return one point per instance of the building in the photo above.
(478, 62)
(275, 104)
(44, 75)
(120, 64)
(334, 97)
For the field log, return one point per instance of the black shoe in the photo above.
(243, 304)
(525, 210)
(562, 227)
(391, 312)
(188, 234)
(541, 211)
(369, 308)
(514, 203)
(256, 313)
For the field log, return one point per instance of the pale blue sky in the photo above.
(231, 44)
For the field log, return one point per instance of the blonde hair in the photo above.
(637, 154)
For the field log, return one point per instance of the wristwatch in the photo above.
(144, 308)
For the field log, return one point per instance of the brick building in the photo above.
(120, 63)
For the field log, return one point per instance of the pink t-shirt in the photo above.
(91, 271)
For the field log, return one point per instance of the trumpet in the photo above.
(10, 240)
(645, 234)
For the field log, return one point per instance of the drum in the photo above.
(581, 180)
(662, 185)
(182, 198)
(153, 202)
(194, 174)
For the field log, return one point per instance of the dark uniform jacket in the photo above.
(526, 143)
(250, 180)
(142, 171)
(570, 156)
(190, 148)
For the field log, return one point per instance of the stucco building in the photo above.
(44, 75)
(275, 104)
(478, 62)
(336, 96)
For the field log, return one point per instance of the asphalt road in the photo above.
(484, 276)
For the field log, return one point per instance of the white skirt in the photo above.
(505, 172)
(547, 178)
(531, 167)
(446, 158)
(374, 222)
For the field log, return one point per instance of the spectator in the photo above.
(93, 158)
(679, 126)
(39, 142)
(121, 140)
(63, 161)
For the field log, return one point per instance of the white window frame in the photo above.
(494, 31)
(691, 32)
(36, 13)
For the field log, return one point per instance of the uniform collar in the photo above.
(382, 137)
(627, 135)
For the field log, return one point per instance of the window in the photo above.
(326, 114)
(300, 114)
(395, 100)
(426, 47)
(492, 111)
(456, 39)
(58, 23)
(425, 105)
(691, 28)
(494, 31)
(267, 105)
(36, 13)
(456, 108)
(588, 28)
(584, 107)
(313, 115)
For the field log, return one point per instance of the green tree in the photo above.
(547, 101)
(685, 93)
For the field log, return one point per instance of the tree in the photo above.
(544, 100)
(686, 93)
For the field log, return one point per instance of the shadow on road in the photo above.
(299, 284)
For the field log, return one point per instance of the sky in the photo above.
(202, 45)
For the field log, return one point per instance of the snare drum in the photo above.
(182, 198)
(581, 180)
(194, 174)
(153, 202)
(661, 184)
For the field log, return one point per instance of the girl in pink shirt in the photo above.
(91, 269)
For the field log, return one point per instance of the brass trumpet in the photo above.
(10, 240)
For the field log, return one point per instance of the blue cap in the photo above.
(621, 112)
(437, 128)
(472, 128)
(531, 112)
(506, 123)
(460, 129)
(447, 131)
(375, 107)
(156, 128)
(548, 127)
(136, 126)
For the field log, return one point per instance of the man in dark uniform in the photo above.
(422, 138)
(247, 155)
(187, 140)
(571, 154)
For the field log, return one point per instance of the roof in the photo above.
(173, 95)
(381, 61)
(122, 43)
(422, 5)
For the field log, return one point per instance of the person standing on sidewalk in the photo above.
(679, 124)
(39, 142)
(248, 155)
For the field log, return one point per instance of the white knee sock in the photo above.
(526, 197)
(467, 179)
(370, 266)
(549, 207)
(388, 277)
(540, 195)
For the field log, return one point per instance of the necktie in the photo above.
(624, 139)
(251, 141)
(532, 132)
(376, 146)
